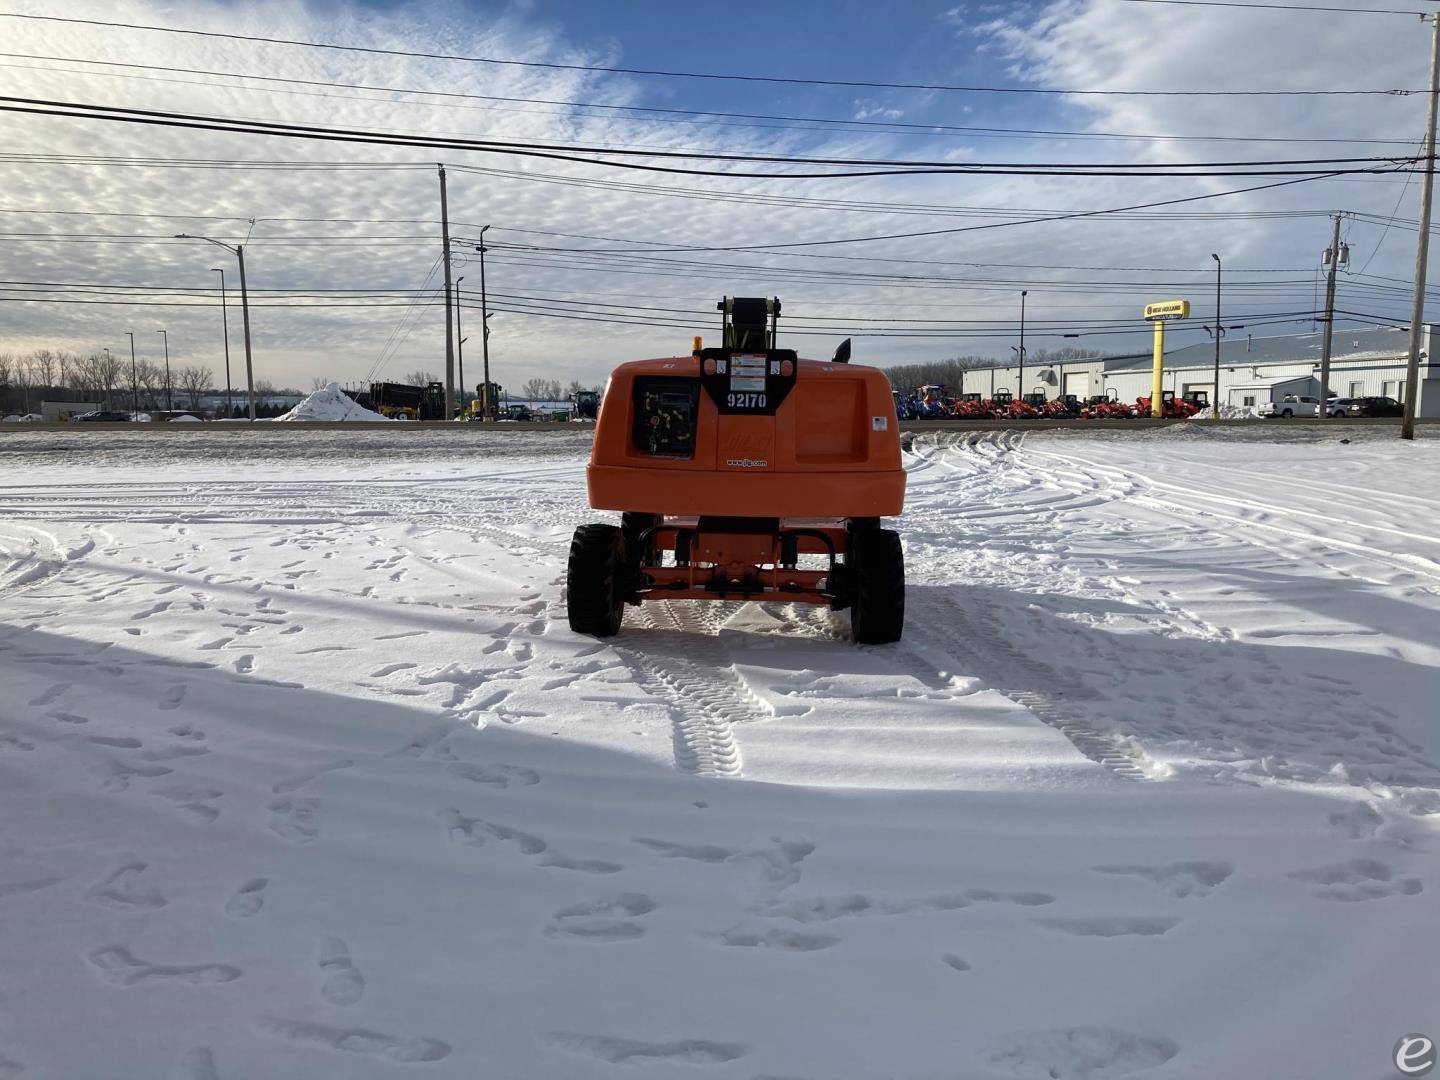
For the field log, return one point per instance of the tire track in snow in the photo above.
(684, 665)
(1025, 681)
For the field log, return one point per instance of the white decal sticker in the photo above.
(879, 423)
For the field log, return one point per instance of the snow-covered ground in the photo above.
(302, 773)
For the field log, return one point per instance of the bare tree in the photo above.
(20, 380)
(536, 389)
(319, 382)
(195, 380)
(420, 377)
(151, 377)
(108, 371)
(264, 388)
(44, 366)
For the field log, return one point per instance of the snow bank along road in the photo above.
(302, 773)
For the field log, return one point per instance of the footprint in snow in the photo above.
(357, 1040)
(1357, 879)
(118, 965)
(341, 983)
(296, 820)
(628, 1051)
(248, 899)
(605, 920)
(1113, 926)
(1079, 1053)
(197, 1063)
(1182, 879)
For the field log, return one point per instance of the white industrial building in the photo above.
(1367, 362)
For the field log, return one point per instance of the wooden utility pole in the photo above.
(449, 299)
(1422, 250)
(1322, 411)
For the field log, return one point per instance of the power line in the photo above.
(597, 155)
(1280, 7)
(675, 115)
(729, 77)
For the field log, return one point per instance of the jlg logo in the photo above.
(746, 463)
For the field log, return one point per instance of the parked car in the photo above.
(1375, 406)
(1290, 405)
(104, 416)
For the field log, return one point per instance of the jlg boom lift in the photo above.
(744, 473)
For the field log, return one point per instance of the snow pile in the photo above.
(1230, 412)
(185, 418)
(330, 404)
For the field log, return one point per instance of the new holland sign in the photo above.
(1166, 310)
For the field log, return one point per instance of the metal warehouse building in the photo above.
(1363, 363)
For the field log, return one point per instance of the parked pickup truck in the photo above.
(1302, 405)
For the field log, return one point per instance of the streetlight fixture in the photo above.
(487, 407)
(134, 379)
(225, 325)
(169, 403)
(238, 250)
(459, 346)
(1219, 333)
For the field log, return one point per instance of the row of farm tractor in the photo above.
(935, 403)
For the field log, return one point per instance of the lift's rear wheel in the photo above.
(595, 591)
(877, 574)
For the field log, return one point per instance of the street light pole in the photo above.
(238, 251)
(134, 379)
(487, 407)
(1219, 330)
(109, 374)
(1020, 371)
(460, 345)
(169, 404)
(225, 327)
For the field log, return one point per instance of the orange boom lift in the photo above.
(744, 473)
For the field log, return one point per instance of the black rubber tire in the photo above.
(877, 574)
(594, 585)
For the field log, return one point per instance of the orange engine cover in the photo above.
(831, 449)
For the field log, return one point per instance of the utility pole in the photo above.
(169, 405)
(134, 379)
(1219, 332)
(1422, 250)
(225, 328)
(1332, 256)
(449, 318)
(245, 313)
(487, 407)
(460, 345)
(1020, 371)
(239, 252)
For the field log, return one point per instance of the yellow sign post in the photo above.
(1160, 314)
